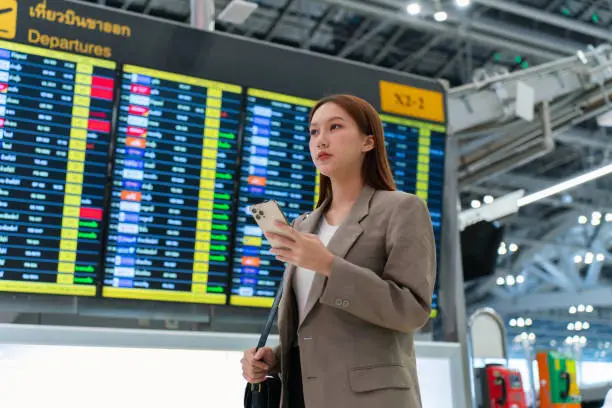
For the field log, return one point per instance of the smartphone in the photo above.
(265, 214)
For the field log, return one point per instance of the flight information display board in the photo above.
(276, 164)
(174, 176)
(55, 124)
(416, 153)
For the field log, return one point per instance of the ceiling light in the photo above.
(520, 279)
(440, 16)
(577, 259)
(565, 185)
(520, 322)
(513, 322)
(462, 3)
(572, 310)
(502, 250)
(413, 8)
(510, 280)
(583, 219)
(600, 257)
(475, 204)
(500, 281)
(570, 326)
(586, 326)
(588, 259)
(578, 326)
(581, 308)
(608, 217)
(596, 214)
(528, 322)
(488, 199)
(583, 340)
(595, 221)
(589, 309)
(513, 247)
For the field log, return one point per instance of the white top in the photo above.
(302, 278)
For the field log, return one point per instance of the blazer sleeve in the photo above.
(399, 298)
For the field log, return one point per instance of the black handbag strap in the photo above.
(263, 338)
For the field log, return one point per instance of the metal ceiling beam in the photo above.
(281, 14)
(384, 51)
(498, 28)
(359, 31)
(349, 48)
(329, 13)
(412, 60)
(446, 28)
(532, 13)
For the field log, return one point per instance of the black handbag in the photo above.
(266, 394)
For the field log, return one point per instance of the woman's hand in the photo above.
(257, 364)
(301, 249)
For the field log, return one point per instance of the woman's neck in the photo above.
(344, 195)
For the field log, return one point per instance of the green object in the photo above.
(225, 135)
(222, 196)
(566, 11)
(518, 59)
(563, 388)
(595, 18)
(497, 56)
(88, 224)
(215, 289)
(525, 64)
(88, 235)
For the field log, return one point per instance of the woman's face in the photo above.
(337, 146)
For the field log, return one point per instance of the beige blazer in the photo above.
(356, 339)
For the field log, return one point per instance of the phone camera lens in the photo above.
(257, 216)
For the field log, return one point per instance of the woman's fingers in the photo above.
(279, 238)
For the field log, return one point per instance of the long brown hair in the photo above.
(375, 169)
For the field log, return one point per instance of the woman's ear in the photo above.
(368, 144)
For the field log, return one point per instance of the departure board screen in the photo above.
(55, 124)
(174, 176)
(416, 153)
(275, 165)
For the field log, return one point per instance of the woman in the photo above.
(359, 279)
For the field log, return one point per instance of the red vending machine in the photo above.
(500, 387)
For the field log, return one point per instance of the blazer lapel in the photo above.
(347, 233)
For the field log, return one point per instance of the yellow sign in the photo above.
(409, 101)
(8, 18)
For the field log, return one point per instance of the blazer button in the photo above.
(338, 302)
(345, 303)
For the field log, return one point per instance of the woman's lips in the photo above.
(324, 156)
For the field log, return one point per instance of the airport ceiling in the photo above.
(563, 251)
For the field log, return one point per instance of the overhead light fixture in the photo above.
(440, 16)
(462, 3)
(565, 185)
(413, 8)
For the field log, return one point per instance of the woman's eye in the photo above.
(334, 127)
(313, 132)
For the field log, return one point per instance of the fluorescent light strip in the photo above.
(565, 185)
